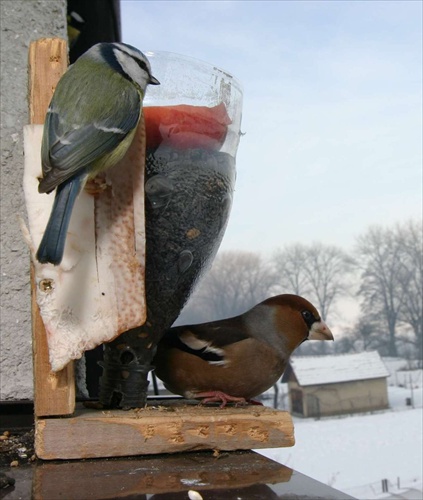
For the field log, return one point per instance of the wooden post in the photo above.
(54, 393)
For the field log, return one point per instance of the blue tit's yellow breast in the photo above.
(110, 159)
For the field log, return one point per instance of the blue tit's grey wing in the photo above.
(69, 147)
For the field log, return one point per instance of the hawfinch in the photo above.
(236, 359)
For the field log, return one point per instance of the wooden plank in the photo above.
(127, 478)
(54, 393)
(168, 428)
(47, 60)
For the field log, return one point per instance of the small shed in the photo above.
(337, 384)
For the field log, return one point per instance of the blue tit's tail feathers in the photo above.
(53, 243)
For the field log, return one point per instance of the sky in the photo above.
(332, 109)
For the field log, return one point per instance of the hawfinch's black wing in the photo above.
(207, 341)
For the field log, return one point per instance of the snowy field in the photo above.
(354, 453)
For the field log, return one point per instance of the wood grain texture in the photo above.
(54, 393)
(48, 60)
(162, 429)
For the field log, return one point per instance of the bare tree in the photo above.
(328, 268)
(391, 278)
(378, 257)
(290, 265)
(409, 238)
(364, 335)
(236, 282)
(318, 272)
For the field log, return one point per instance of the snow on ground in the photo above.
(354, 453)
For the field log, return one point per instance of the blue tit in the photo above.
(89, 126)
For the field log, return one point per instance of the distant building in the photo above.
(337, 384)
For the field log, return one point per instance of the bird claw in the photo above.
(218, 396)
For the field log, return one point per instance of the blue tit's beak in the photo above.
(153, 81)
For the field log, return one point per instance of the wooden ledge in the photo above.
(166, 427)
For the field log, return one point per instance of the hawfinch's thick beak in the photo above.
(320, 331)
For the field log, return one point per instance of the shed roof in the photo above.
(317, 370)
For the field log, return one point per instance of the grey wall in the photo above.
(22, 21)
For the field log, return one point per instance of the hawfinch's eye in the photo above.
(308, 318)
